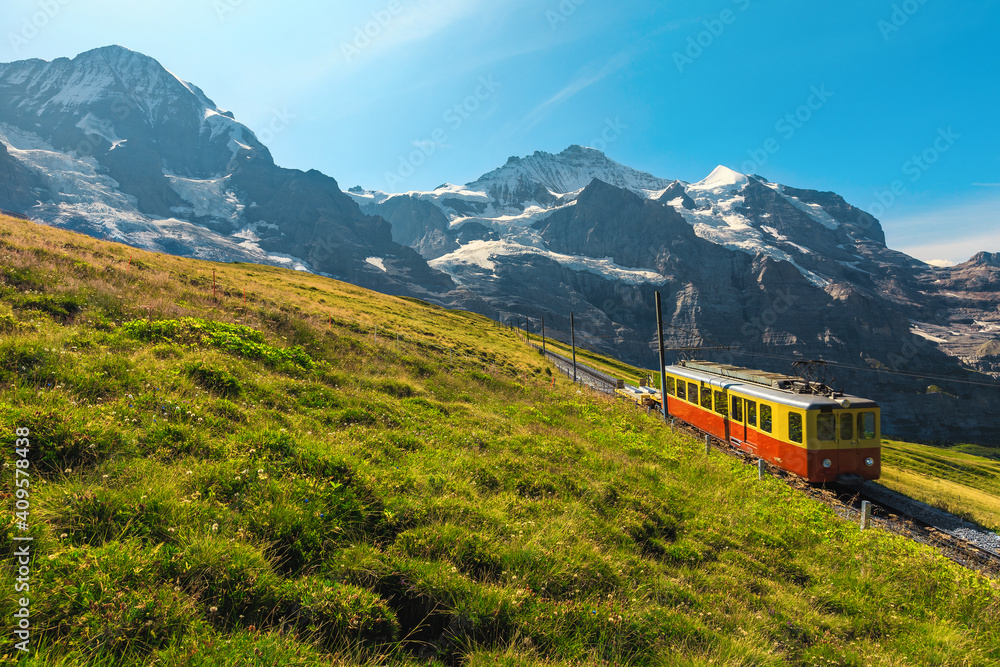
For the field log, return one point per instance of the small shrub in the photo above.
(356, 416)
(339, 614)
(60, 307)
(61, 440)
(236, 339)
(217, 380)
(116, 603)
(470, 552)
(397, 389)
(167, 351)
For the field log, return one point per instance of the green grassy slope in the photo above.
(220, 484)
(963, 480)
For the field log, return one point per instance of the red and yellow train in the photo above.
(820, 435)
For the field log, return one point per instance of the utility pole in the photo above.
(527, 331)
(663, 360)
(572, 330)
(543, 334)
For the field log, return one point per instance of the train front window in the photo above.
(752, 413)
(706, 398)
(795, 427)
(693, 392)
(720, 403)
(826, 426)
(847, 427)
(765, 417)
(737, 409)
(866, 425)
(680, 390)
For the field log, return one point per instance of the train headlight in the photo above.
(827, 463)
(845, 404)
(869, 461)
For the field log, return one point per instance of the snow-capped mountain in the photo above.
(764, 268)
(501, 214)
(112, 144)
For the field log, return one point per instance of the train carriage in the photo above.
(805, 428)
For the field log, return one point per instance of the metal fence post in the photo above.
(866, 514)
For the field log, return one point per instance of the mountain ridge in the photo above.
(112, 144)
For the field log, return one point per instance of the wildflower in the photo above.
(189, 472)
(213, 609)
(215, 527)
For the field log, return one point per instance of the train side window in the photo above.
(765, 417)
(670, 386)
(693, 392)
(826, 426)
(866, 425)
(795, 426)
(720, 403)
(706, 398)
(680, 391)
(752, 413)
(737, 409)
(847, 426)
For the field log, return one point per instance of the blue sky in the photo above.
(889, 103)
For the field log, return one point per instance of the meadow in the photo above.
(243, 465)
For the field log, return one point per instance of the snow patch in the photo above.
(91, 124)
(209, 198)
(481, 254)
(378, 263)
(721, 178)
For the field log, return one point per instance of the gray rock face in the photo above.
(774, 273)
(19, 187)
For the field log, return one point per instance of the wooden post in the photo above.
(866, 514)
(761, 467)
(527, 331)
(543, 334)
(213, 286)
(572, 330)
(708, 444)
(663, 359)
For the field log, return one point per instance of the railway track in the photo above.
(963, 542)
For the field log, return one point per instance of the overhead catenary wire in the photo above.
(920, 376)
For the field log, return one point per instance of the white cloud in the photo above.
(950, 233)
(956, 251)
(578, 85)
